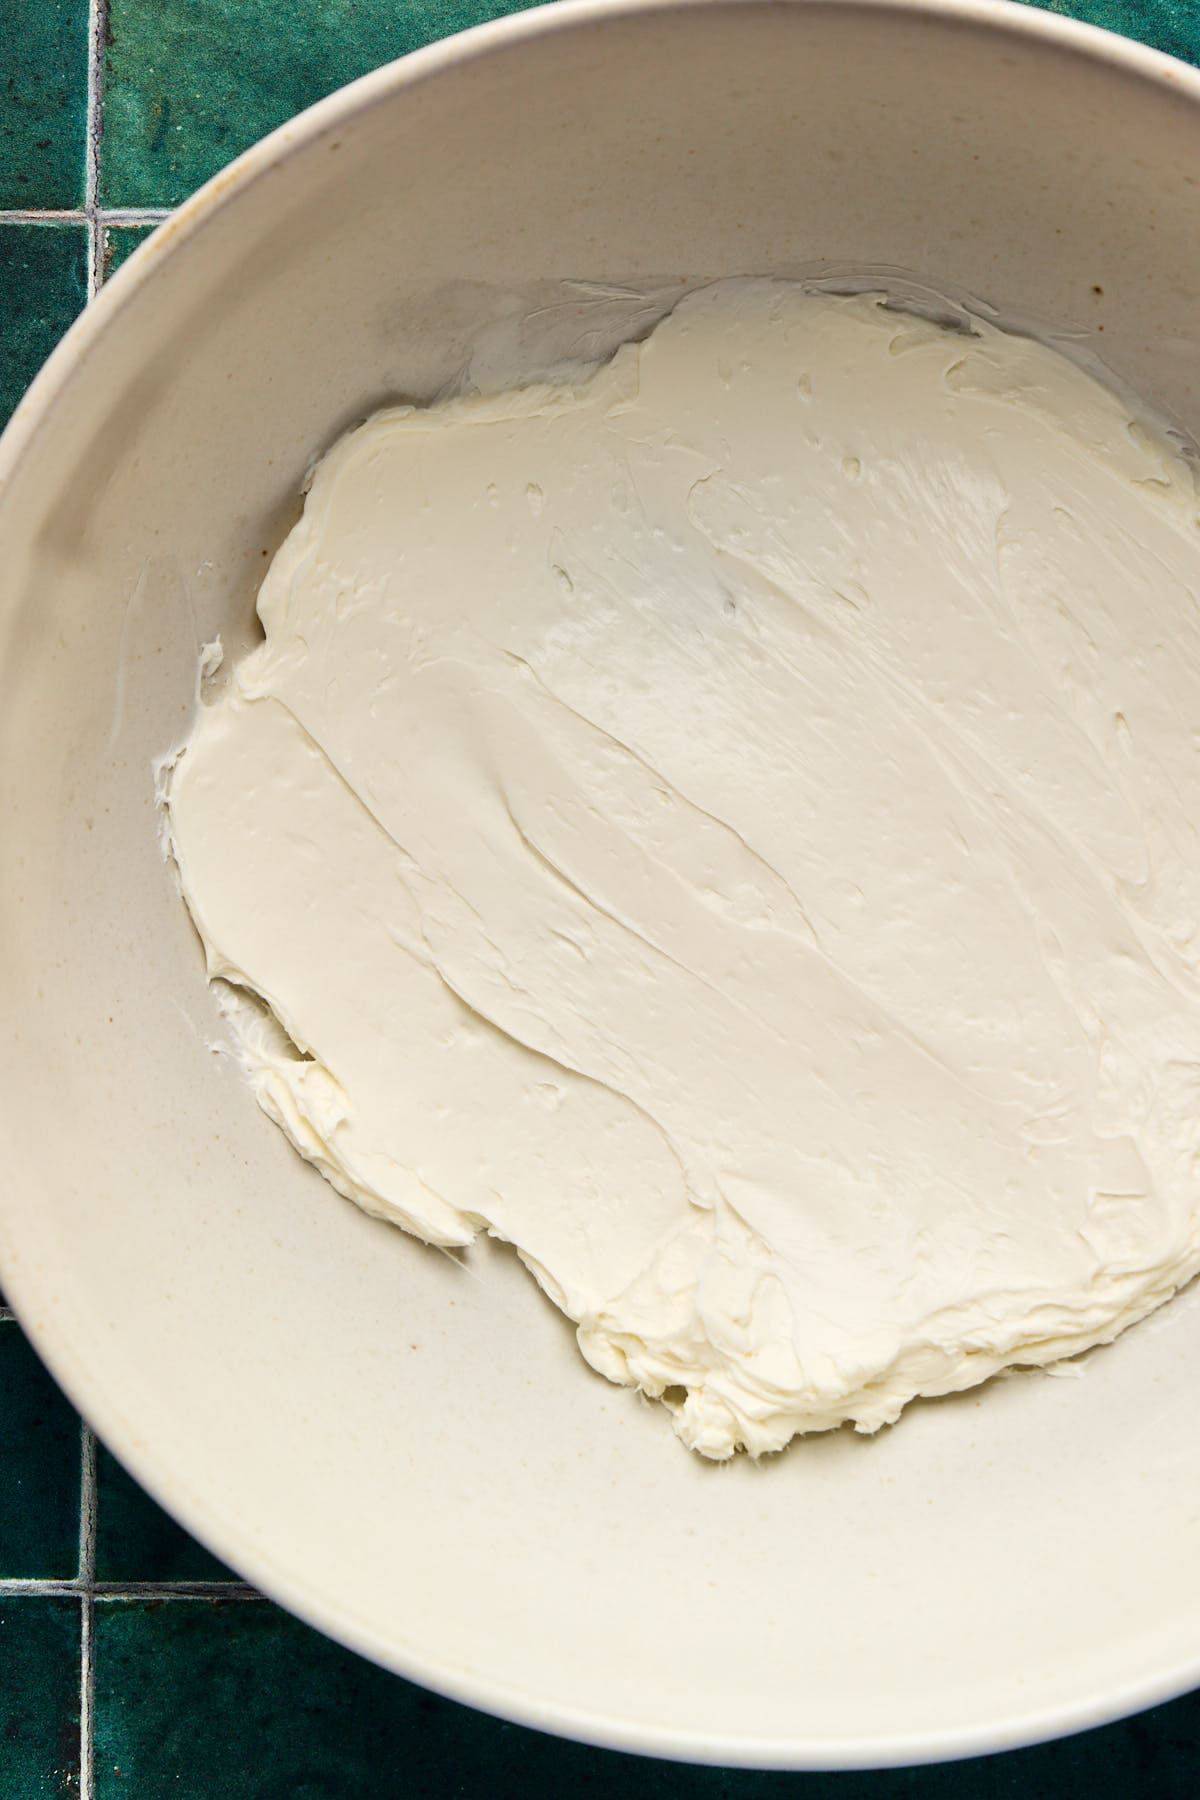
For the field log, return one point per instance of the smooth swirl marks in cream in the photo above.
(729, 827)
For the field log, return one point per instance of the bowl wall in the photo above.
(407, 1451)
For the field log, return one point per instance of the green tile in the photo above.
(136, 1540)
(189, 86)
(39, 1470)
(39, 1698)
(43, 102)
(1170, 25)
(43, 284)
(242, 1701)
(119, 242)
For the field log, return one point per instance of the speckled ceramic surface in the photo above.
(410, 1457)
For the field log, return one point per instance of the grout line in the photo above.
(87, 1611)
(97, 26)
(109, 1592)
(40, 1588)
(132, 215)
(46, 215)
(105, 215)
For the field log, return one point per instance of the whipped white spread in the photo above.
(731, 828)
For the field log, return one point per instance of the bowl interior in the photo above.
(406, 1449)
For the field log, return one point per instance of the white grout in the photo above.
(97, 25)
(87, 1583)
(46, 215)
(106, 1593)
(107, 215)
(133, 215)
(17, 1586)
(92, 214)
(90, 1592)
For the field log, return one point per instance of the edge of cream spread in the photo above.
(729, 827)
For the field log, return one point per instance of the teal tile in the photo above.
(1170, 25)
(241, 1701)
(39, 1698)
(136, 1540)
(43, 284)
(119, 242)
(189, 86)
(43, 102)
(39, 1470)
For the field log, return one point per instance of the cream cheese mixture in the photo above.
(731, 829)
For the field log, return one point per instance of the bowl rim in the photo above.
(1001, 18)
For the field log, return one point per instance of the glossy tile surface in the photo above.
(39, 1468)
(118, 243)
(189, 86)
(39, 1698)
(137, 1541)
(191, 1698)
(43, 102)
(1170, 25)
(43, 284)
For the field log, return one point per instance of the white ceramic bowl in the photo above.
(409, 1454)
